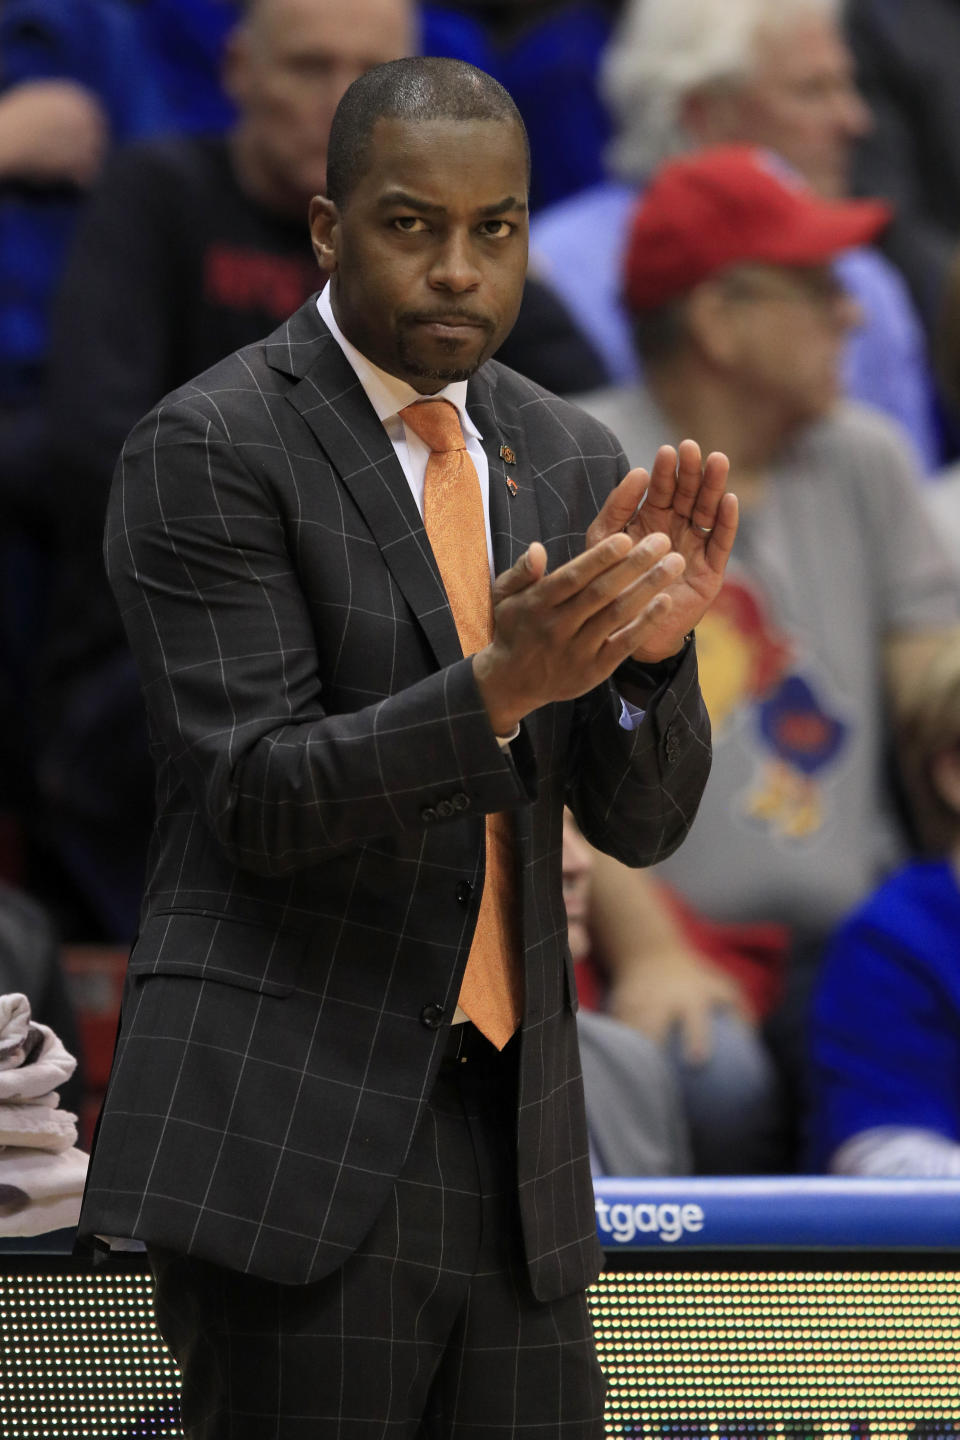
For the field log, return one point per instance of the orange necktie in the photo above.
(492, 990)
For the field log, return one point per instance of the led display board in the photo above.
(802, 1309)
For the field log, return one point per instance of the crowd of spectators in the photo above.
(698, 267)
(837, 593)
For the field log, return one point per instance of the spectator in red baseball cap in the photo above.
(680, 75)
(731, 205)
(838, 584)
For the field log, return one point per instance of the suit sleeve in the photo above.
(198, 556)
(635, 792)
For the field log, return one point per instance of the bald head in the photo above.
(287, 64)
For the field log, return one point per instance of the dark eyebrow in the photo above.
(424, 207)
(510, 203)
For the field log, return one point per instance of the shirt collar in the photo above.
(387, 393)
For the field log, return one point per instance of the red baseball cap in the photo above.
(734, 205)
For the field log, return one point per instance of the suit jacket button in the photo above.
(672, 746)
(444, 809)
(428, 814)
(464, 892)
(431, 1016)
(461, 801)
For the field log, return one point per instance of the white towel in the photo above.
(33, 1062)
(14, 1030)
(39, 1191)
(37, 1127)
(41, 1171)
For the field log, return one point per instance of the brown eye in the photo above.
(496, 229)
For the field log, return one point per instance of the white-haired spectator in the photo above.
(704, 72)
(680, 74)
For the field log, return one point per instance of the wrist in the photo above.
(644, 672)
(504, 711)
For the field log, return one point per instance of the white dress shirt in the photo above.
(389, 395)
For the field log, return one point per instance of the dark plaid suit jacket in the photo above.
(324, 767)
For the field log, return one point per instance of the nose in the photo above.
(854, 116)
(455, 267)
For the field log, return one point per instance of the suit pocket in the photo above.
(219, 948)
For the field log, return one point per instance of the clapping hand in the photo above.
(686, 500)
(645, 578)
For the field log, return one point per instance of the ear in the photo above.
(324, 232)
(711, 116)
(712, 324)
(945, 773)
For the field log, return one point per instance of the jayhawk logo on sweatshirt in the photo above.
(750, 674)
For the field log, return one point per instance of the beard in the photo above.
(447, 375)
(458, 369)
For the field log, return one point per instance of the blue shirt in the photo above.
(885, 1021)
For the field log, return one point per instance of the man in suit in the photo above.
(192, 246)
(346, 1113)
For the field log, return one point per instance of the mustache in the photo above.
(447, 317)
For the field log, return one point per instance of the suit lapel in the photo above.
(333, 403)
(514, 512)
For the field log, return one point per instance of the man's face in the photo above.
(800, 101)
(429, 254)
(287, 68)
(788, 325)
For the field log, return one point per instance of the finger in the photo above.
(623, 642)
(710, 490)
(575, 583)
(663, 478)
(725, 522)
(619, 507)
(629, 603)
(690, 479)
(530, 567)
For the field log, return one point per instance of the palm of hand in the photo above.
(696, 589)
(686, 500)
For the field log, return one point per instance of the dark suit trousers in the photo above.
(428, 1330)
